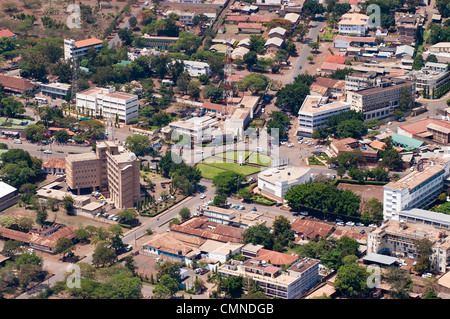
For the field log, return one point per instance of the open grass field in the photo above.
(209, 171)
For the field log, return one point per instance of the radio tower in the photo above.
(74, 77)
(228, 84)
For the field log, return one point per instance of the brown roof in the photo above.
(336, 59)
(275, 258)
(16, 84)
(6, 33)
(311, 229)
(55, 163)
(15, 235)
(176, 243)
(203, 228)
(50, 240)
(321, 84)
(421, 126)
(87, 42)
(247, 25)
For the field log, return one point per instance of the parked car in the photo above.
(340, 223)
(17, 141)
(304, 213)
(202, 196)
(362, 232)
(359, 224)
(47, 152)
(350, 223)
(129, 248)
(278, 204)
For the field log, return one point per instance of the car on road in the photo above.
(202, 196)
(278, 204)
(299, 67)
(47, 152)
(17, 141)
(129, 248)
(350, 223)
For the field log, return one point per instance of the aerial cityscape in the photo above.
(224, 149)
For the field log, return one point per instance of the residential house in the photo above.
(353, 24)
(54, 166)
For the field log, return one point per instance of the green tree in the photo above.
(220, 200)
(103, 256)
(233, 286)
(64, 246)
(418, 62)
(291, 97)
(61, 136)
(400, 282)
(68, 204)
(259, 235)
(424, 248)
(228, 182)
(138, 144)
(185, 214)
(351, 280)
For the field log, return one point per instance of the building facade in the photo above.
(80, 48)
(274, 182)
(399, 238)
(107, 103)
(315, 111)
(415, 190)
(299, 278)
(353, 24)
(109, 171)
(379, 102)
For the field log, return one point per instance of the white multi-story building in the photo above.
(274, 182)
(399, 237)
(298, 279)
(354, 23)
(315, 112)
(55, 90)
(415, 190)
(197, 128)
(431, 76)
(107, 103)
(196, 68)
(80, 48)
(185, 17)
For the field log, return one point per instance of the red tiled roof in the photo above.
(310, 228)
(332, 66)
(421, 126)
(354, 39)
(275, 258)
(16, 84)
(336, 59)
(6, 33)
(87, 42)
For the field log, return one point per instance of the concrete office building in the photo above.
(398, 238)
(108, 103)
(415, 190)
(315, 111)
(379, 102)
(108, 170)
(300, 275)
(80, 48)
(274, 182)
(431, 76)
(55, 90)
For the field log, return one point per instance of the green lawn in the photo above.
(259, 159)
(244, 169)
(314, 161)
(209, 171)
(328, 36)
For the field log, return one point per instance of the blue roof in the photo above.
(405, 142)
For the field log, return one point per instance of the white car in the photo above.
(291, 145)
(350, 223)
(203, 196)
(304, 213)
(340, 223)
(47, 152)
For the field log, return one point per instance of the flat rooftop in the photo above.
(283, 174)
(416, 178)
(315, 104)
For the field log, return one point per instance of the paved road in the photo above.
(316, 24)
